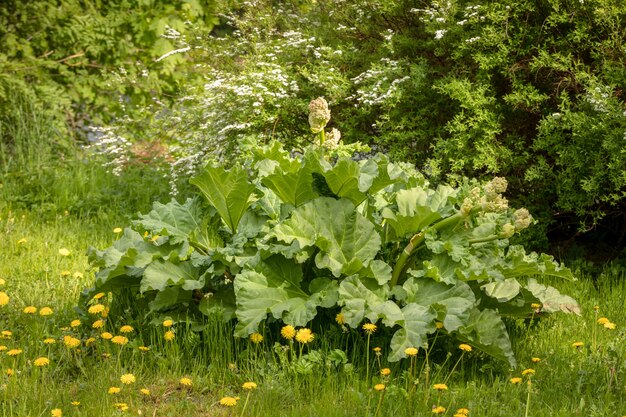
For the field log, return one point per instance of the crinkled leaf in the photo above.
(486, 331)
(418, 208)
(348, 242)
(293, 183)
(160, 274)
(274, 288)
(178, 221)
(416, 324)
(452, 303)
(377, 173)
(229, 191)
(169, 297)
(343, 180)
(360, 298)
(502, 290)
(519, 263)
(551, 299)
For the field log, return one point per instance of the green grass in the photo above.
(568, 381)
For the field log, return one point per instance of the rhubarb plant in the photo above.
(283, 235)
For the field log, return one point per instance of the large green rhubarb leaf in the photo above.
(361, 298)
(418, 208)
(343, 180)
(178, 221)
(293, 183)
(452, 303)
(519, 263)
(228, 191)
(416, 323)
(273, 287)
(486, 331)
(161, 274)
(348, 242)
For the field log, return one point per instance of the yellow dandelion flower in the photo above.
(14, 352)
(256, 338)
(143, 348)
(75, 403)
(127, 379)
(9, 372)
(529, 371)
(22, 241)
(98, 324)
(249, 385)
(106, 336)
(603, 320)
(228, 401)
(410, 351)
(185, 381)
(440, 387)
(96, 309)
(117, 230)
(596, 308)
(4, 298)
(463, 411)
(535, 360)
(49, 341)
(515, 380)
(168, 323)
(369, 328)
(3, 348)
(459, 415)
(114, 390)
(98, 296)
(609, 325)
(43, 361)
(71, 342)
(2, 281)
(169, 336)
(90, 341)
(288, 332)
(64, 252)
(105, 312)
(6, 334)
(379, 387)
(127, 329)
(535, 306)
(65, 273)
(377, 349)
(56, 412)
(75, 323)
(45, 311)
(438, 410)
(577, 344)
(465, 347)
(304, 335)
(385, 372)
(340, 319)
(145, 391)
(119, 340)
(121, 406)
(439, 325)
(30, 310)
(78, 275)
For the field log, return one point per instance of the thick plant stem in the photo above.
(416, 241)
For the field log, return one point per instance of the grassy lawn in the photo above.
(327, 377)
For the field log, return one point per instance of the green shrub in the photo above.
(518, 89)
